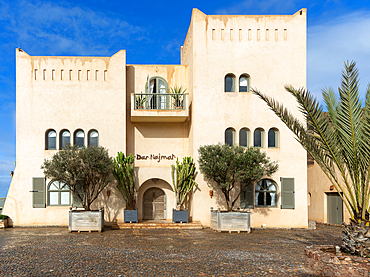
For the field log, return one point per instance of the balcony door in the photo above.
(157, 85)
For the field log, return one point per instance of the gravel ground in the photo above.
(158, 252)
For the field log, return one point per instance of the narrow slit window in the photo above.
(53, 74)
(105, 75)
(249, 34)
(70, 75)
(61, 74)
(88, 75)
(79, 75)
(213, 34)
(35, 74)
(240, 34)
(285, 34)
(258, 34)
(44, 74)
(96, 74)
(267, 34)
(276, 34)
(231, 34)
(222, 34)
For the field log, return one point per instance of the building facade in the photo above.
(104, 101)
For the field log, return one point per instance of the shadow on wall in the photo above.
(158, 129)
(113, 204)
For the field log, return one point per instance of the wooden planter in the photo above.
(86, 220)
(180, 216)
(230, 221)
(130, 216)
(3, 223)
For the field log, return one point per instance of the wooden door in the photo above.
(335, 208)
(154, 204)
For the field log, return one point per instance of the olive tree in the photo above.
(85, 170)
(225, 166)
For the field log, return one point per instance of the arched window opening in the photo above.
(79, 138)
(244, 83)
(265, 193)
(258, 138)
(93, 138)
(273, 138)
(51, 140)
(156, 85)
(244, 137)
(65, 139)
(229, 83)
(59, 194)
(230, 136)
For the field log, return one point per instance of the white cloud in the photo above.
(60, 28)
(333, 42)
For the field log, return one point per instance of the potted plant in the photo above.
(123, 172)
(140, 101)
(183, 182)
(224, 167)
(178, 97)
(3, 221)
(87, 172)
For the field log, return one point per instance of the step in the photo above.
(156, 225)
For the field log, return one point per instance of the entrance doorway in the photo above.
(154, 204)
(335, 208)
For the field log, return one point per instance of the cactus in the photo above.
(123, 172)
(183, 175)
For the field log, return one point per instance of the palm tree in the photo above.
(339, 141)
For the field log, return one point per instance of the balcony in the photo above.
(159, 107)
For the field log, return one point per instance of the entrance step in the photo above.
(157, 225)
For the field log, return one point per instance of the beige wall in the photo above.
(212, 49)
(56, 100)
(318, 185)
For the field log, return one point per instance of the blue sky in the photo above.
(152, 33)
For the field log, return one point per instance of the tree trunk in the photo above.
(356, 239)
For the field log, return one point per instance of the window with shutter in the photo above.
(38, 192)
(247, 197)
(287, 193)
(76, 202)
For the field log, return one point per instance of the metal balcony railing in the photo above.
(160, 101)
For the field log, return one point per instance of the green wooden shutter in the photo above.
(38, 192)
(76, 202)
(287, 193)
(247, 197)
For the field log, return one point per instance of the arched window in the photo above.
(79, 138)
(244, 83)
(93, 139)
(273, 136)
(244, 137)
(229, 83)
(51, 140)
(64, 139)
(258, 138)
(265, 193)
(58, 194)
(156, 85)
(230, 136)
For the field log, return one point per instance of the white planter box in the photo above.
(230, 221)
(86, 220)
(3, 223)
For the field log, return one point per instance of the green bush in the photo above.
(3, 216)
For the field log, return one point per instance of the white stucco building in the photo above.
(93, 100)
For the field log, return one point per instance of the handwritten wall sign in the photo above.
(158, 157)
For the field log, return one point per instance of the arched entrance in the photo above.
(154, 204)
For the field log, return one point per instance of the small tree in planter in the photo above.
(3, 221)
(177, 96)
(183, 175)
(226, 166)
(123, 172)
(85, 170)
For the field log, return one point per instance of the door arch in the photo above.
(154, 204)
